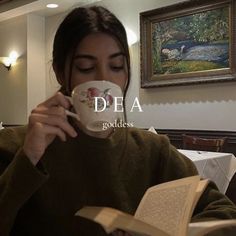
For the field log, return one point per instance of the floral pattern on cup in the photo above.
(88, 97)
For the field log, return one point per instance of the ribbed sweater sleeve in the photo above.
(18, 182)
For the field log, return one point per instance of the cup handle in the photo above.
(70, 99)
(69, 113)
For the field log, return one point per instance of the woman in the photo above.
(55, 166)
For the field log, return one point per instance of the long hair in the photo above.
(79, 23)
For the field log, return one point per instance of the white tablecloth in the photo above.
(216, 166)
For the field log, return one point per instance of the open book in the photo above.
(165, 210)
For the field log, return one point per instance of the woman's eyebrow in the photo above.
(85, 56)
(117, 54)
(88, 56)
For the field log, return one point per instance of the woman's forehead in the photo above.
(97, 43)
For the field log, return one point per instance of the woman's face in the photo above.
(99, 57)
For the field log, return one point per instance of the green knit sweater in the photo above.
(115, 172)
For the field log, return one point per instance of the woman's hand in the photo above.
(47, 121)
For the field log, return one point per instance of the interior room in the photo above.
(28, 27)
(29, 30)
(191, 110)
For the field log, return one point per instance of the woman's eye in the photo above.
(117, 68)
(84, 70)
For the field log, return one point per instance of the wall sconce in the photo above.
(9, 61)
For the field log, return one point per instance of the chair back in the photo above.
(203, 144)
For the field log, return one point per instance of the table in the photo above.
(216, 166)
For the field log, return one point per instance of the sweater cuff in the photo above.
(21, 179)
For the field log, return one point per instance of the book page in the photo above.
(202, 228)
(200, 189)
(168, 205)
(112, 219)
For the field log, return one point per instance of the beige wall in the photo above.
(36, 65)
(24, 86)
(51, 27)
(13, 83)
(211, 106)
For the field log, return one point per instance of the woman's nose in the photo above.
(102, 74)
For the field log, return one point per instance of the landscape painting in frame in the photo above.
(191, 46)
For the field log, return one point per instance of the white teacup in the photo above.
(96, 103)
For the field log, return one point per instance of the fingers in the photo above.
(50, 130)
(53, 121)
(47, 121)
(39, 131)
(57, 100)
(52, 113)
(38, 137)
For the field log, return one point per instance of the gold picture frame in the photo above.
(188, 43)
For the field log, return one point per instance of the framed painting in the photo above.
(188, 43)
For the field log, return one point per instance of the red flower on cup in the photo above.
(88, 97)
(93, 92)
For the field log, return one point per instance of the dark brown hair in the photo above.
(79, 23)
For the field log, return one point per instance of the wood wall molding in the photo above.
(175, 136)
